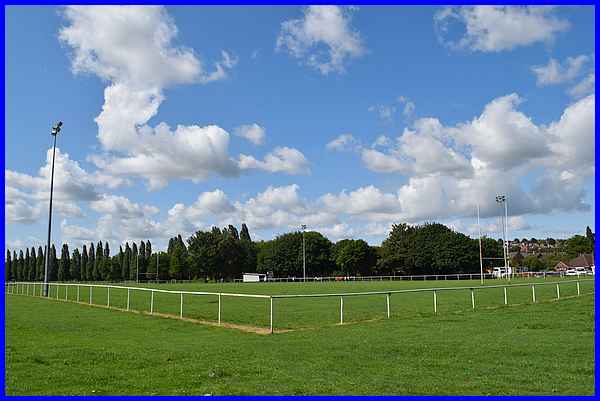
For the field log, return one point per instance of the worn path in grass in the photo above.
(65, 348)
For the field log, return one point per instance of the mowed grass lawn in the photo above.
(299, 313)
(69, 349)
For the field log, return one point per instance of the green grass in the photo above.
(302, 313)
(69, 349)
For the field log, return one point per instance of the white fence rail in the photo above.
(415, 277)
(435, 291)
(36, 289)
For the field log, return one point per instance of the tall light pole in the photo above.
(54, 132)
(480, 251)
(501, 199)
(303, 253)
(512, 273)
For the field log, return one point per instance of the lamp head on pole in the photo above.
(56, 128)
(501, 198)
(303, 226)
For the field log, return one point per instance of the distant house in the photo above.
(561, 266)
(584, 260)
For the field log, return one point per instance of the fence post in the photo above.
(533, 293)
(271, 320)
(341, 310)
(473, 298)
(152, 302)
(77, 292)
(181, 305)
(434, 301)
(557, 292)
(388, 305)
(505, 297)
(128, 291)
(578, 291)
(57, 287)
(219, 312)
(108, 297)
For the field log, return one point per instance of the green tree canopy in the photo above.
(354, 257)
(577, 245)
(431, 248)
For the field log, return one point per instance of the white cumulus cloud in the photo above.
(555, 73)
(252, 132)
(135, 54)
(281, 159)
(323, 38)
(498, 28)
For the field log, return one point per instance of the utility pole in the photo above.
(54, 132)
(303, 253)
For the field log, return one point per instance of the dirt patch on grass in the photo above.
(241, 327)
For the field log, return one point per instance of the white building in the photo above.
(254, 277)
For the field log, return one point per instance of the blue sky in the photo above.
(344, 119)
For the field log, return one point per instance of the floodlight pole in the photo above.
(506, 236)
(502, 199)
(303, 253)
(480, 251)
(137, 267)
(54, 132)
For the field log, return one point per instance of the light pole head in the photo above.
(303, 226)
(501, 198)
(56, 128)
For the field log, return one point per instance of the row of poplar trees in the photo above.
(92, 263)
(218, 254)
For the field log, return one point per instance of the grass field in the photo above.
(301, 313)
(70, 349)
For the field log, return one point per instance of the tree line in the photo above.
(224, 254)
(93, 263)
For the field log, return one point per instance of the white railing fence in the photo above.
(122, 299)
(416, 277)
(130, 299)
(436, 291)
